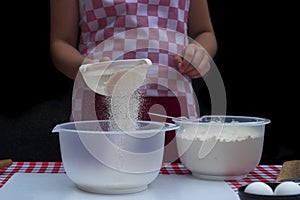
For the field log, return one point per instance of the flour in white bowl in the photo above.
(230, 152)
(219, 132)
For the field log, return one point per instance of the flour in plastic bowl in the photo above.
(232, 150)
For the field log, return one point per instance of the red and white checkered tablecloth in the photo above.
(265, 173)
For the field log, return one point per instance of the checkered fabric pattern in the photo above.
(154, 29)
(83, 101)
(30, 167)
(264, 173)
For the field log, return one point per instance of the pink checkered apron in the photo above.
(124, 29)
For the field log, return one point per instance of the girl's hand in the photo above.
(102, 59)
(194, 61)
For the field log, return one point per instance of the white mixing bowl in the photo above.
(99, 157)
(221, 147)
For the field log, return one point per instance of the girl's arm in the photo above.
(196, 58)
(64, 35)
(200, 26)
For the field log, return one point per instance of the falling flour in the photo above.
(124, 104)
(126, 99)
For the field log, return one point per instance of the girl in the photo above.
(176, 35)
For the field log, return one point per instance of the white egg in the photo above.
(287, 188)
(260, 188)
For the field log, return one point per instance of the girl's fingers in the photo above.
(104, 59)
(201, 69)
(177, 59)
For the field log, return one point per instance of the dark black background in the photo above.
(257, 57)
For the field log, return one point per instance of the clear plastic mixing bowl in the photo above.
(99, 157)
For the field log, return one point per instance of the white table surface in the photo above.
(37, 186)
